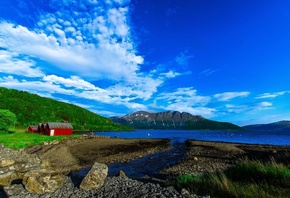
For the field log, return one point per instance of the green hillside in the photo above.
(32, 109)
(211, 125)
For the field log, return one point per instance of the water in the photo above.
(248, 137)
(150, 165)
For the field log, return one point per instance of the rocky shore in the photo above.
(121, 187)
(31, 173)
(45, 171)
(206, 156)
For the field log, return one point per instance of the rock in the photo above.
(121, 174)
(55, 142)
(42, 181)
(95, 178)
(7, 177)
(6, 162)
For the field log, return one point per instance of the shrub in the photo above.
(7, 120)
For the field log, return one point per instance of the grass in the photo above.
(19, 140)
(247, 179)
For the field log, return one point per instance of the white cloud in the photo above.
(207, 72)
(73, 81)
(184, 107)
(230, 95)
(236, 108)
(183, 59)
(271, 95)
(185, 100)
(34, 86)
(188, 95)
(84, 43)
(92, 43)
(263, 106)
(12, 63)
(170, 74)
(120, 94)
(233, 108)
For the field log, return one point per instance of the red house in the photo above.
(57, 128)
(32, 128)
(41, 128)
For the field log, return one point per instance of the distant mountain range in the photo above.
(275, 126)
(171, 120)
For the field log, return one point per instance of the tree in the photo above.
(7, 119)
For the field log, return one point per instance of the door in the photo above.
(52, 132)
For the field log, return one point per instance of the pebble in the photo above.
(114, 187)
(119, 187)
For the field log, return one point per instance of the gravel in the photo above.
(119, 187)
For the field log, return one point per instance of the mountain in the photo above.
(31, 109)
(275, 126)
(171, 120)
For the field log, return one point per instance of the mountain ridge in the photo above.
(283, 125)
(171, 120)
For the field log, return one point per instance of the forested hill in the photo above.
(32, 109)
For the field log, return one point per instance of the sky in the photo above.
(226, 60)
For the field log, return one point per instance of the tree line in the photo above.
(31, 109)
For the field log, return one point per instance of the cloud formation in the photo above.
(226, 96)
(182, 59)
(89, 41)
(272, 95)
(186, 100)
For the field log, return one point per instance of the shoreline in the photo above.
(201, 157)
(215, 156)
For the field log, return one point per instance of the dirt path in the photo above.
(73, 154)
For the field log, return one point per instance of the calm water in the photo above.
(150, 165)
(250, 137)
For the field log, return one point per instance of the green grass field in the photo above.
(19, 140)
(247, 179)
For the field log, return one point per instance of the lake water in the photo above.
(151, 164)
(250, 137)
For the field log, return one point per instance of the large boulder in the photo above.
(96, 177)
(42, 181)
(6, 178)
(6, 162)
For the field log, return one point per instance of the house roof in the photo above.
(33, 127)
(59, 125)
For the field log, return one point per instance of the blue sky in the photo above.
(226, 60)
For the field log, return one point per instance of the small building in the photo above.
(57, 128)
(41, 128)
(32, 128)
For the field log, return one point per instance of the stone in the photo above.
(7, 177)
(95, 178)
(6, 162)
(121, 174)
(43, 181)
(55, 142)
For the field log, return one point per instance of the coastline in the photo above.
(213, 156)
(78, 153)
(200, 157)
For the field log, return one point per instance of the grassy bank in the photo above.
(18, 140)
(247, 179)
